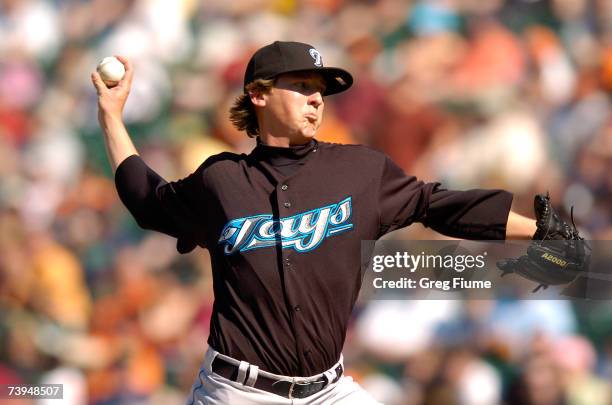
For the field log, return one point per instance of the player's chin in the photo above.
(309, 130)
(308, 133)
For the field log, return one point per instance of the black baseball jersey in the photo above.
(284, 228)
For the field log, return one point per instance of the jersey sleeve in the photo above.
(174, 208)
(470, 214)
(402, 199)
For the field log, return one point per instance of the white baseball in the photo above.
(111, 70)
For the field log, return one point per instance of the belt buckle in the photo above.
(293, 384)
(280, 388)
(288, 391)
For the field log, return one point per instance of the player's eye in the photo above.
(308, 86)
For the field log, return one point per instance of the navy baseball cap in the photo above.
(285, 57)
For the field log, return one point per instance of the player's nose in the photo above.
(315, 99)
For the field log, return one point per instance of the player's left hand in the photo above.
(557, 255)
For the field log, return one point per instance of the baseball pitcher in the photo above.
(283, 225)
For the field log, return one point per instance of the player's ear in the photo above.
(257, 98)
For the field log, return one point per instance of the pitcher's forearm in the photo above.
(111, 101)
(119, 145)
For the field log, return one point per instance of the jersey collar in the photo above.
(281, 156)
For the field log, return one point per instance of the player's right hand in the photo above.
(111, 101)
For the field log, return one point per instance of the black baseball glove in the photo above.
(557, 255)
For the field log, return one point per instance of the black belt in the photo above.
(287, 389)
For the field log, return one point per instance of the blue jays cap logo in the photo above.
(316, 55)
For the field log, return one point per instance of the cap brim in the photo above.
(336, 80)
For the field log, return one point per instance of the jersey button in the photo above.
(284, 187)
(297, 308)
(287, 204)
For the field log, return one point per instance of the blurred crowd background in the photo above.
(510, 94)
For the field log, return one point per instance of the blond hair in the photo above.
(242, 112)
